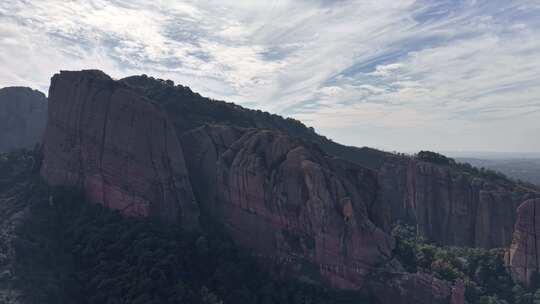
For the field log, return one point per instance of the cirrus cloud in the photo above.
(398, 75)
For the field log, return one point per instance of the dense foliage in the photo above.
(189, 110)
(483, 272)
(434, 157)
(74, 252)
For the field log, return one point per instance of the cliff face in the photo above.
(23, 115)
(116, 146)
(522, 258)
(448, 206)
(289, 202)
(327, 219)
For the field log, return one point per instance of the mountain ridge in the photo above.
(323, 210)
(275, 194)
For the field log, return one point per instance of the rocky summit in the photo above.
(23, 115)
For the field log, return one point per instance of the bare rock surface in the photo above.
(449, 207)
(116, 146)
(288, 201)
(23, 115)
(523, 256)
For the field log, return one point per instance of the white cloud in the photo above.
(409, 73)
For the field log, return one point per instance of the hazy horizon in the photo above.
(397, 76)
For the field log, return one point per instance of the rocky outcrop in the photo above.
(522, 258)
(323, 218)
(117, 147)
(289, 202)
(450, 206)
(23, 115)
(447, 205)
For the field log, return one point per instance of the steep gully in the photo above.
(280, 196)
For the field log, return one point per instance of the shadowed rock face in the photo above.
(448, 206)
(116, 146)
(23, 115)
(523, 256)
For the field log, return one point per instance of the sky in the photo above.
(398, 75)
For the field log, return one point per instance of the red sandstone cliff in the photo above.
(116, 146)
(522, 258)
(281, 197)
(448, 206)
(288, 201)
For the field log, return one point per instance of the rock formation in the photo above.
(522, 258)
(449, 206)
(288, 201)
(137, 146)
(116, 146)
(23, 115)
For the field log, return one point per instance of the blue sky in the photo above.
(397, 75)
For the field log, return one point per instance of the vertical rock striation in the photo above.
(116, 146)
(522, 258)
(289, 202)
(448, 206)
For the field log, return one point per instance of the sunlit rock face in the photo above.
(522, 258)
(290, 202)
(23, 115)
(116, 146)
(449, 206)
